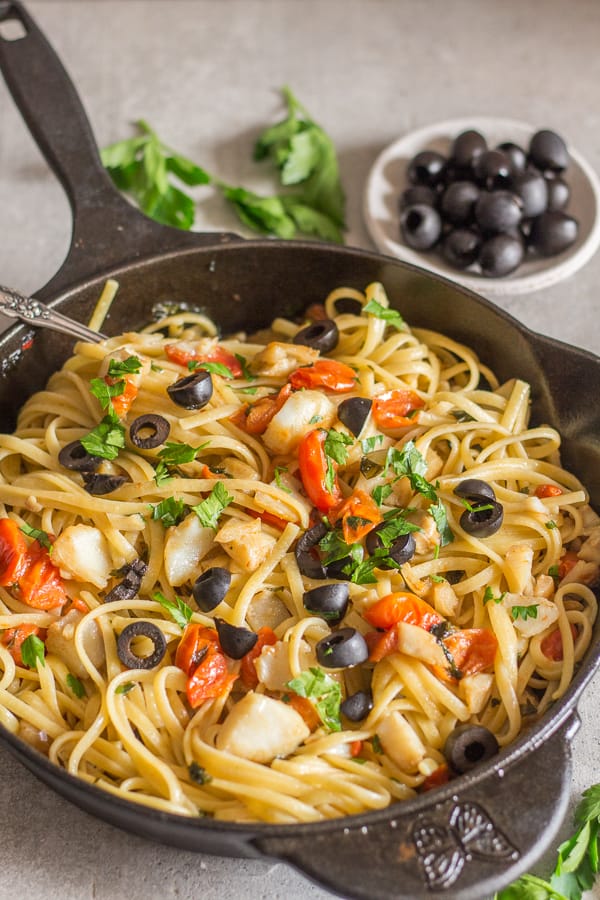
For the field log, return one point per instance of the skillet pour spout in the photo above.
(482, 830)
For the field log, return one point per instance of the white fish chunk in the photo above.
(186, 544)
(82, 552)
(259, 728)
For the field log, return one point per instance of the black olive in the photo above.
(330, 601)
(357, 706)
(475, 489)
(559, 192)
(516, 155)
(500, 255)
(149, 431)
(492, 169)
(483, 519)
(74, 456)
(234, 641)
(342, 649)
(421, 226)
(322, 335)
(497, 211)
(547, 150)
(417, 193)
(460, 247)
(354, 412)
(211, 587)
(427, 167)
(128, 588)
(349, 305)
(458, 202)
(306, 557)
(141, 629)
(400, 551)
(467, 147)
(468, 745)
(336, 568)
(553, 232)
(193, 391)
(532, 188)
(102, 484)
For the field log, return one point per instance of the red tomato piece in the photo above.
(266, 637)
(210, 679)
(13, 639)
(552, 645)
(402, 606)
(359, 514)
(472, 649)
(268, 518)
(193, 646)
(14, 557)
(122, 402)
(255, 417)
(567, 561)
(184, 353)
(328, 374)
(381, 644)
(304, 708)
(41, 586)
(396, 409)
(548, 490)
(439, 776)
(314, 467)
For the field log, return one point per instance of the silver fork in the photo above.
(33, 312)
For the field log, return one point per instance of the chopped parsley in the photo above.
(524, 612)
(106, 392)
(215, 368)
(324, 690)
(32, 651)
(170, 511)
(179, 611)
(279, 482)
(125, 687)
(38, 535)
(247, 374)
(76, 686)
(371, 443)
(391, 316)
(209, 509)
(488, 596)
(119, 367)
(106, 439)
(198, 774)
(376, 744)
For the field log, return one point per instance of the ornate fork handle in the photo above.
(31, 311)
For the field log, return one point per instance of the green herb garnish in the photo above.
(209, 509)
(38, 535)
(33, 651)
(170, 511)
(106, 439)
(119, 367)
(324, 690)
(179, 611)
(524, 612)
(391, 316)
(215, 368)
(76, 686)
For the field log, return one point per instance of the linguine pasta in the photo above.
(266, 483)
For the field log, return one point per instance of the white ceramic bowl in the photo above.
(387, 179)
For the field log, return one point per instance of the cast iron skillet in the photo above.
(474, 835)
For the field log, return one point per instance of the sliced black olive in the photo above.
(211, 587)
(330, 601)
(193, 391)
(235, 642)
(354, 412)
(400, 551)
(141, 629)
(306, 557)
(149, 431)
(128, 588)
(322, 335)
(336, 568)
(342, 649)
(475, 488)
(483, 519)
(102, 484)
(469, 745)
(357, 706)
(74, 456)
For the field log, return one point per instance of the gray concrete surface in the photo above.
(205, 74)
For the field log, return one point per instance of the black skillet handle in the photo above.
(107, 230)
(466, 844)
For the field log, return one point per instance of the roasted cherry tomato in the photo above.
(358, 514)
(41, 585)
(402, 606)
(381, 643)
(318, 472)
(472, 649)
(13, 639)
(184, 352)
(548, 490)
(14, 557)
(266, 637)
(328, 374)
(439, 776)
(200, 656)
(122, 402)
(255, 417)
(552, 644)
(396, 409)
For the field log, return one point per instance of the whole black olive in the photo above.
(211, 587)
(342, 649)
(516, 155)
(102, 484)
(500, 255)
(559, 192)
(322, 335)
(357, 706)
(483, 519)
(533, 191)
(492, 169)
(467, 147)
(427, 167)
(468, 745)
(547, 150)
(235, 642)
(330, 601)
(402, 549)
(129, 587)
(460, 247)
(141, 629)
(420, 226)
(354, 412)
(306, 556)
(74, 456)
(193, 391)
(417, 193)
(553, 232)
(149, 431)
(475, 489)
(497, 211)
(458, 202)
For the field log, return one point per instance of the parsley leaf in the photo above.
(438, 513)
(119, 367)
(215, 368)
(279, 482)
(391, 316)
(198, 774)
(106, 439)
(105, 392)
(32, 650)
(179, 611)
(175, 454)
(371, 443)
(76, 686)
(38, 535)
(524, 612)
(209, 509)
(326, 691)
(488, 596)
(125, 687)
(335, 445)
(170, 511)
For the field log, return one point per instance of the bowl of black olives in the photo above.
(499, 206)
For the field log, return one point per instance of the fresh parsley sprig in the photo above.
(179, 611)
(209, 509)
(324, 690)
